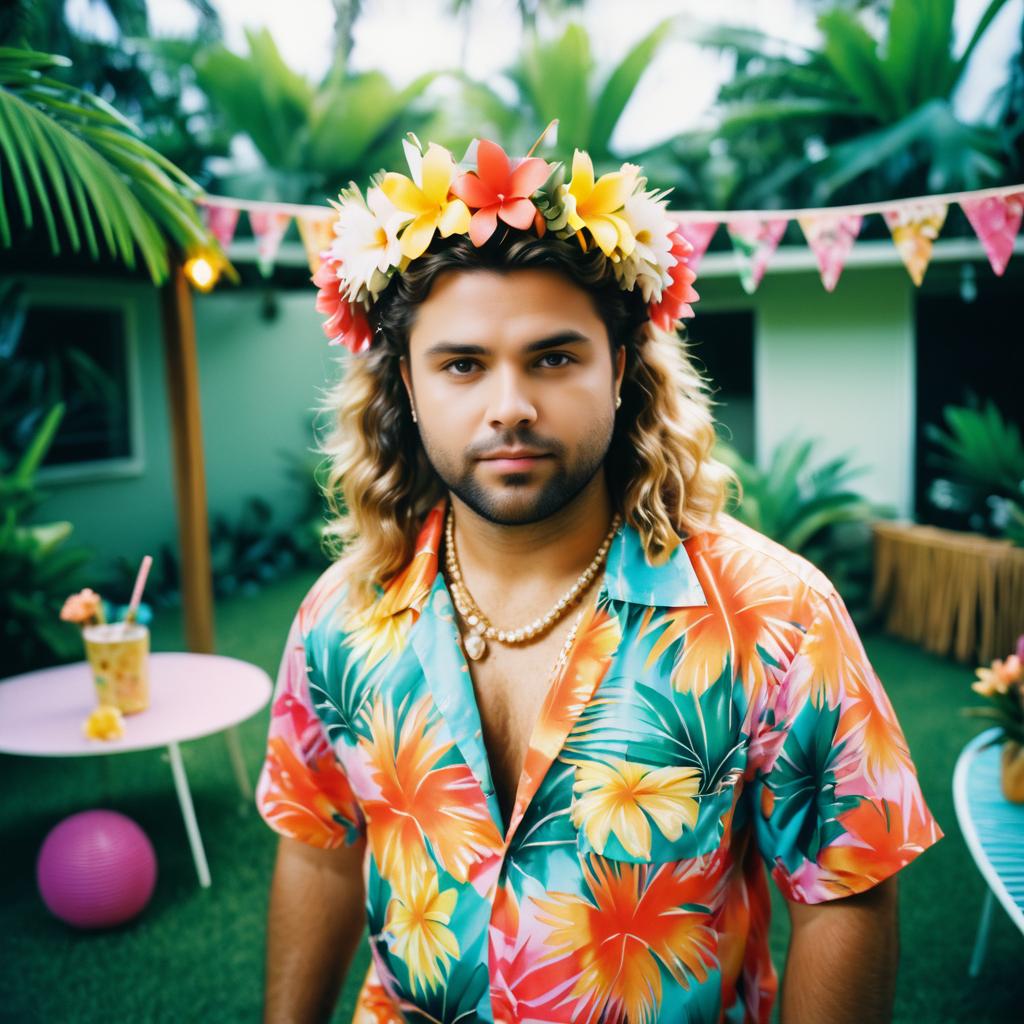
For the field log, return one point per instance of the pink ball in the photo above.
(96, 869)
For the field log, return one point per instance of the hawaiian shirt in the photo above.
(716, 715)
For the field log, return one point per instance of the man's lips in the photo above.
(512, 460)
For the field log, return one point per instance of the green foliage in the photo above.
(809, 510)
(983, 457)
(312, 138)
(71, 158)
(558, 78)
(859, 116)
(150, 81)
(37, 566)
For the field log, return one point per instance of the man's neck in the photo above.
(517, 567)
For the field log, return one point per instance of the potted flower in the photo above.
(1002, 685)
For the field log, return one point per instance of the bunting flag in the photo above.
(754, 241)
(268, 228)
(316, 233)
(222, 221)
(830, 237)
(914, 228)
(996, 221)
(995, 214)
(699, 234)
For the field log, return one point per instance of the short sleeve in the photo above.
(303, 792)
(838, 806)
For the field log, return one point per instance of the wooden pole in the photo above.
(182, 364)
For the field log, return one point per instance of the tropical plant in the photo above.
(982, 455)
(37, 566)
(72, 159)
(312, 138)
(559, 78)
(865, 112)
(809, 510)
(151, 81)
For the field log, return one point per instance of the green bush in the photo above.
(38, 568)
(811, 511)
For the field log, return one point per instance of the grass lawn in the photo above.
(198, 955)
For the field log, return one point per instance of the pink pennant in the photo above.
(996, 221)
(754, 241)
(316, 233)
(222, 221)
(268, 228)
(699, 234)
(831, 237)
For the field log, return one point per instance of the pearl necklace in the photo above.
(481, 628)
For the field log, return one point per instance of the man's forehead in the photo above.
(515, 308)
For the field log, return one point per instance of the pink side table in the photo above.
(191, 695)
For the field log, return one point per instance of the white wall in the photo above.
(838, 367)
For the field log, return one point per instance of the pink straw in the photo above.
(140, 583)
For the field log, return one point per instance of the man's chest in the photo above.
(511, 685)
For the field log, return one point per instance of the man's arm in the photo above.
(842, 960)
(314, 924)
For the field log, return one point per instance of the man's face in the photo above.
(514, 385)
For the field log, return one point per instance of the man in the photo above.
(552, 711)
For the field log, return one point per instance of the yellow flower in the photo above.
(618, 797)
(999, 677)
(417, 920)
(424, 200)
(105, 723)
(598, 206)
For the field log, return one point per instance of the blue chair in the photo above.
(993, 829)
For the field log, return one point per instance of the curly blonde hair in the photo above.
(379, 484)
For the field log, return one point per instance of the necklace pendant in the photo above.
(475, 645)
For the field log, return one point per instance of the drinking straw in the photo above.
(140, 583)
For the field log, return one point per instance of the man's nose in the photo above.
(510, 402)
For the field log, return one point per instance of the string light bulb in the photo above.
(202, 271)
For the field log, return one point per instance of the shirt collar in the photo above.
(629, 576)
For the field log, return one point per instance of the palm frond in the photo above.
(79, 164)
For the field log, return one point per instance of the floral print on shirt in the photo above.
(716, 715)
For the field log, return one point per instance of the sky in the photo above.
(404, 38)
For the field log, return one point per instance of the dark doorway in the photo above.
(968, 352)
(723, 346)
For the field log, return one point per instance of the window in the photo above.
(79, 352)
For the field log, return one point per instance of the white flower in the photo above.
(366, 241)
(651, 259)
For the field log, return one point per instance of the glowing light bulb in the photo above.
(202, 272)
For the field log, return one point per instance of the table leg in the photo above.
(189, 814)
(238, 763)
(981, 942)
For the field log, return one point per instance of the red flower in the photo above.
(346, 324)
(676, 298)
(496, 189)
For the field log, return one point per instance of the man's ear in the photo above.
(619, 366)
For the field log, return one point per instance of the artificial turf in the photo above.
(197, 955)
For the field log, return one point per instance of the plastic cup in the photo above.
(118, 654)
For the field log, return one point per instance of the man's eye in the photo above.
(460, 367)
(566, 359)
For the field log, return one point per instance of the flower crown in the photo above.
(381, 234)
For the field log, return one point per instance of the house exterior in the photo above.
(843, 367)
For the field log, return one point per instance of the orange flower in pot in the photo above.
(1002, 685)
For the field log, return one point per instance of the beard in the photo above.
(519, 501)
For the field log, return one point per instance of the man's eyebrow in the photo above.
(451, 348)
